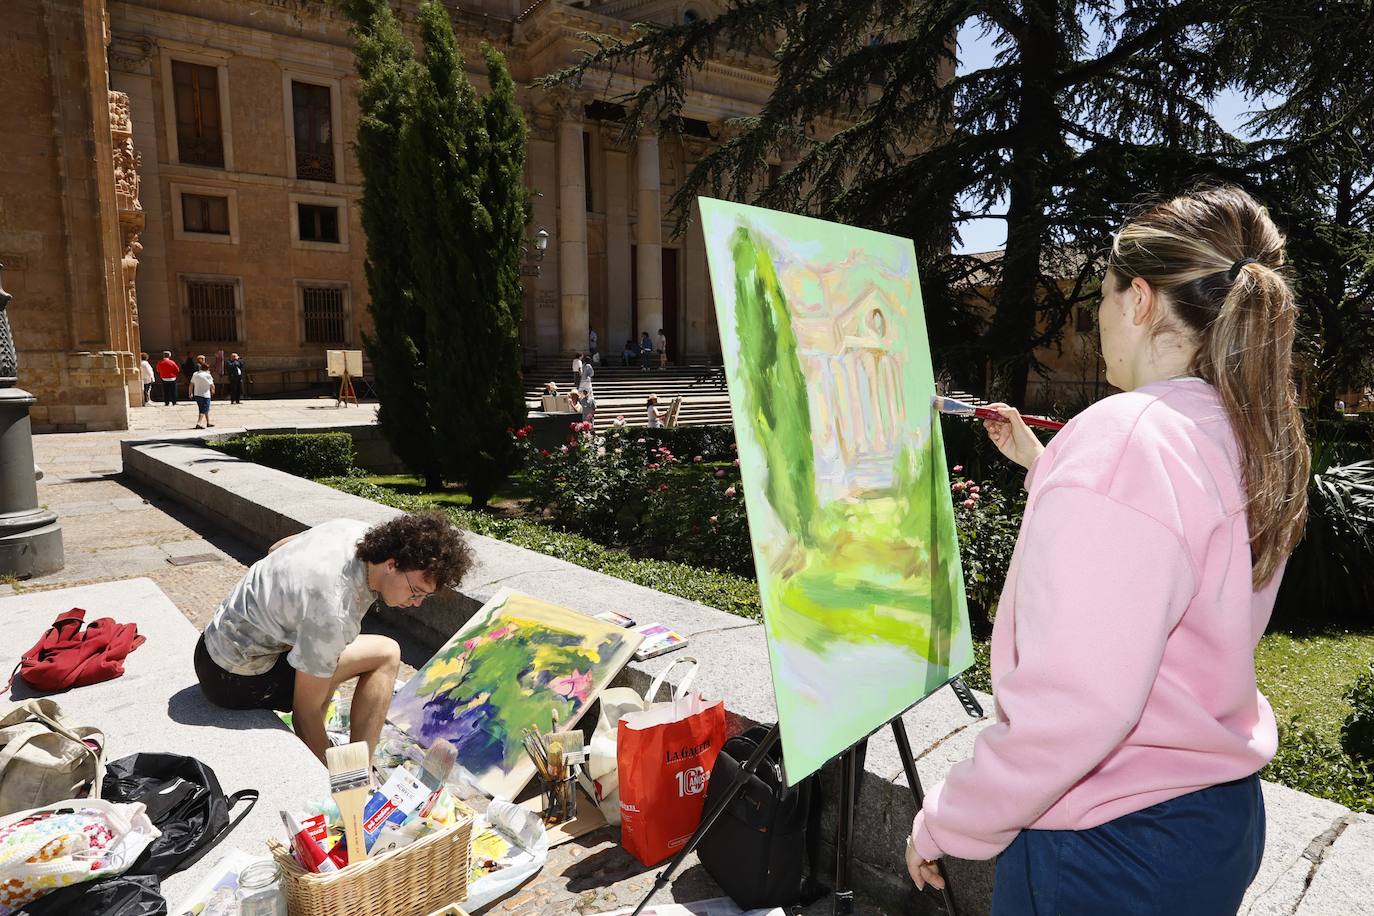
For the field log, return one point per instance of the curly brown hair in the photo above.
(424, 541)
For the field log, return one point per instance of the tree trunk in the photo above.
(1036, 136)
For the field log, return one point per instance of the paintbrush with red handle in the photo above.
(964, 409)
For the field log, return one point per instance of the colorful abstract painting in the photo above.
(514, 664)
(844, 471)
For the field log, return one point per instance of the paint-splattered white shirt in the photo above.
(307, 599)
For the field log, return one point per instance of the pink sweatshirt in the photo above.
(1123, 654)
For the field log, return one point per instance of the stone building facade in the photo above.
(179, 175)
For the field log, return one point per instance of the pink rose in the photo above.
(736, 462)
(968, 504)
(720, 473)
(729, 491)
(958, 468)
(663, 488)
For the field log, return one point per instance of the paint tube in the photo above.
(394, 802)
(308, 852)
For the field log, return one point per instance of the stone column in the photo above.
(619, 308)
(649, 236)
(572, 235)
(542, 163)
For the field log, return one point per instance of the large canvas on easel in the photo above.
(850, 511)
(513, 664)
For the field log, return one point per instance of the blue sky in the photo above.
(976, 52)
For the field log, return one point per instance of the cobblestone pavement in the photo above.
(114, 530)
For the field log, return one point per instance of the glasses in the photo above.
(416, 594)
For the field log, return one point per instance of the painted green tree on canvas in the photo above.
(776, 391)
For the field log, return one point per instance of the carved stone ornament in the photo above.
(131, 217)
(132, 53)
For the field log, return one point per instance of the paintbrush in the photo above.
(964, 409)
(350, 782)
(439, 760)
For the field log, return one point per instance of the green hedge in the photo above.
(712, 443)
(732, 594)
(303, 454)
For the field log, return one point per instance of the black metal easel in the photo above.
(851, 763)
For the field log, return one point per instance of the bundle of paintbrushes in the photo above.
(369, 820)
(556, 758)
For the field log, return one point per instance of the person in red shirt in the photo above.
(167, 371)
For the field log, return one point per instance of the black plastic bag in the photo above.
(121, 895)
(184, 801)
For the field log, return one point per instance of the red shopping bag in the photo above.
(665, 755)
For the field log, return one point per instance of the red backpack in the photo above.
(68, 656)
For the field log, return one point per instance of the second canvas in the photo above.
(844, 471)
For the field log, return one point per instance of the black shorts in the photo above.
(274, 689)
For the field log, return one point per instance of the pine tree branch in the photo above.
(1187, 13)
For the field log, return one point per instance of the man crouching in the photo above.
(289, 633)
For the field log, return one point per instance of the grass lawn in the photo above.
(1305, 676)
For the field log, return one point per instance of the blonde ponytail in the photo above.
(1217, 256)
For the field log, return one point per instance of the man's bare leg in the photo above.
(374, 661)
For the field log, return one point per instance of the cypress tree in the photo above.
(463, 205)
(397, 346)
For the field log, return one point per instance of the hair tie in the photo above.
(1235, 268)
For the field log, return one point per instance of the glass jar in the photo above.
(260, 891)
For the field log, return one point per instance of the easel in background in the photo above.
(851, 766)
(346, 365)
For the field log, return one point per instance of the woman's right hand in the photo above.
(1012, 436)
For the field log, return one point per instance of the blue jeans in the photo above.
(1190, 856)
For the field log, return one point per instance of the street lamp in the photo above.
(530, 265)
(30, 537)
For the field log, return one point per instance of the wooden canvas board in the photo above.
(512, 665)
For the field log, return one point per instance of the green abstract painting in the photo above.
(844, 471)
(517, 662)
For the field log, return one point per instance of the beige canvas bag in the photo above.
(44, 759)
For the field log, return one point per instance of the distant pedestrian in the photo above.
(655, 418)
(588, 372)
(588, 406)
(577, 370)
(202, 389)
(646, 352)
(662, 350)
(629, 354)
(234, 373)
(146, 376)
(167, 370)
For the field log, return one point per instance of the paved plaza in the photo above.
(113, 531)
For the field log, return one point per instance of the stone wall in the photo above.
(59, 226)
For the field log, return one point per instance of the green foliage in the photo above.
(397, 347)
(1357, 731)
(624, 488)
(1328, 576)
(726, 592)
(447, 350)
(303, 454)
(774, 387)
(712, 443)
(1315, 764)
(988, 524)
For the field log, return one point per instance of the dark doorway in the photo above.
(670, 300)
(670, 323)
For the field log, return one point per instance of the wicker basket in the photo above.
(426, 875)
